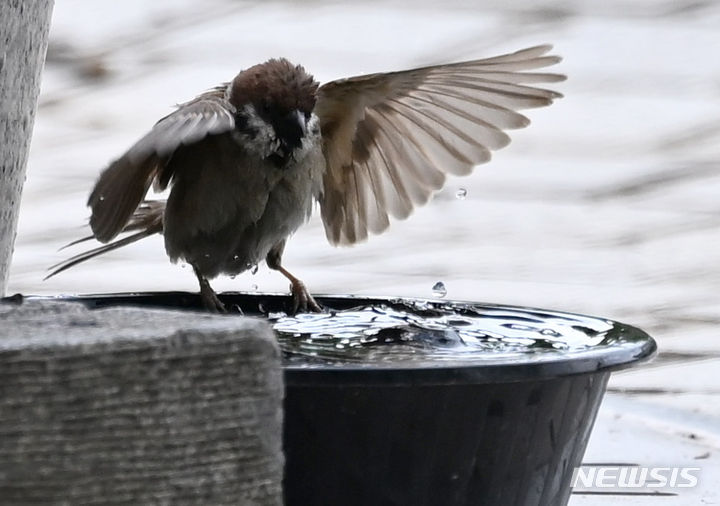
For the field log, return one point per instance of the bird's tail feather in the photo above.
(147, 220)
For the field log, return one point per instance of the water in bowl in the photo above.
(412, 332)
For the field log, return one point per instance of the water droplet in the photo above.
(461, 194)
(550, 332)
(254, 270)
(102, 197)
(254, 287)
(439, 289)
(207, 255)
(235, 257)
(233, 276)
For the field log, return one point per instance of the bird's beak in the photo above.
(299, 118)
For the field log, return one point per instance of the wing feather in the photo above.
(410, 152)
(390, 139)
(395, 198)
(123, 185)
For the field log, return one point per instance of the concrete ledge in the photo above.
(135, 406)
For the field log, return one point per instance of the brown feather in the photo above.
(117, 194)
(123, 185)
(278, 82)
(394, 136)
(148, 219)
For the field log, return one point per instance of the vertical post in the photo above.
(24, 29)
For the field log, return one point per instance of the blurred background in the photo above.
(607, 204)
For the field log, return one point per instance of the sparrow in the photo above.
(246, 160)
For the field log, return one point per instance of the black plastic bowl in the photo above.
(503, 430)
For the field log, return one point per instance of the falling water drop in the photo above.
(253, 287)
(254, 270)
(461, 194)
(439, 289)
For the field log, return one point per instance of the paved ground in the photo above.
(607, 204)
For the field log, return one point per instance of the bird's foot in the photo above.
(211, 301)
(207, 294)
(302, 300)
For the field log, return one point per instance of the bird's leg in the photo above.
(207, 294)
(301, 297)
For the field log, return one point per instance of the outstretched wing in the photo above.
(390, 139)
(122, 186)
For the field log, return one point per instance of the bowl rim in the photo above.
(598, 359)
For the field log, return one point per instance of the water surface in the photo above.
(428, 333)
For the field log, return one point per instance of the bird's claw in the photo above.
(302, 300)
(211, 301)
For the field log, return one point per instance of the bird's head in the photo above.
(275, 102)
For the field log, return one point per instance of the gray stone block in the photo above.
(137, 406)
